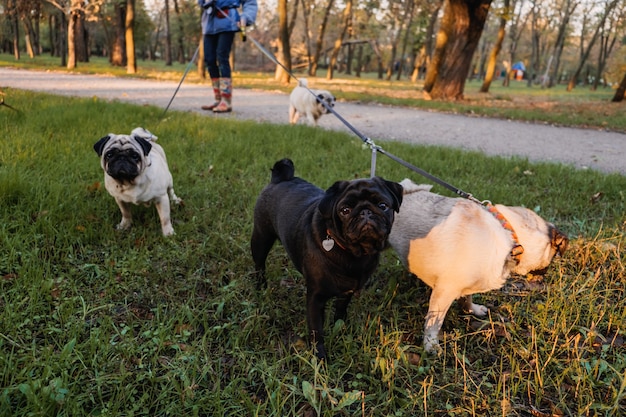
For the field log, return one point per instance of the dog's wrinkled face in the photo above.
(329, 99)
(360, 213)
(123, 157)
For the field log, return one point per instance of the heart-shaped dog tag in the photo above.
(328, 244)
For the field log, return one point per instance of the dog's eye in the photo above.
(109, 155)
(135, 156)
(345, 210)
(383, 206)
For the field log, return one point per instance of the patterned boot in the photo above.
(216, 92)
(225, 105)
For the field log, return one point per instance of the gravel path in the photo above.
(581, 148)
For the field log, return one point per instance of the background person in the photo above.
(221, 19)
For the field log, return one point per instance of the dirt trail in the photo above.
(582, 148)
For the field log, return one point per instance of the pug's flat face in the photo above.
(362, 213)
(325, 96)
(123, 157)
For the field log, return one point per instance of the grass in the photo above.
(105, 323)
(580, 107)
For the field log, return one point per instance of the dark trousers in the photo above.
(216, 53)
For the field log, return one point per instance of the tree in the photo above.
(461, 27)
(620, 93)
(284, 49)
(608, 38)
(168, 35)
(319, 43)
(515, 32)
(15, 27)
(566, 11)
(75, 6)
(493, 56)
(422, 60)
(609, 6)
(118, 43)
(129, 36)
(347, 16)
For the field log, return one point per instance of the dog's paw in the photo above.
(124, 225)
(168, 230)
(431, 344)
(479, 310)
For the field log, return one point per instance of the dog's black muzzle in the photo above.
(123, 165)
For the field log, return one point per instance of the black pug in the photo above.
(333, 238)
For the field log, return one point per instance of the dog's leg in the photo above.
(311, 118)
(163, 208)
(341, 307)
(469, 307)
(260, 246)
(293, 115)
(438, 306)
(315, 306)
(173, 197)
(127, 217)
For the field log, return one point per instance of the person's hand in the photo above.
(242, 22)
(207, 4)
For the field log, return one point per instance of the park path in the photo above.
(582, 148)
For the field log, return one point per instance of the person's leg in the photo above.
(210, 60)
(224, 45)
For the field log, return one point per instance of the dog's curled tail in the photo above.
(283, 170)
(302, 82)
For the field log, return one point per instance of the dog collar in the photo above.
(329, 242)
(518, 249)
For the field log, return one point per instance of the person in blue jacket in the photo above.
(221, 19)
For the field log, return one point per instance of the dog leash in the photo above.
(366, 140)
(195, 54)
(516, 251)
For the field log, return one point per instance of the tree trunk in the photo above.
(405, 39)
(493, 57)
(461, 27)
(81, 41)
(319, 44)
(347, 16)
(129, 35)
(168, 35)
(71, 34)
(118, 49)
(15, 27)
(63, 38)
(568, 10)
(534, 43)
(620, 93)
(424, 58)
(284, 49)
(585, 54)
(307, 37)
(181, 32)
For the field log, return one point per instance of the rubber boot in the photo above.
(225, 105)
(216, 92)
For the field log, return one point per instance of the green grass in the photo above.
(105, 323)
(580, 107)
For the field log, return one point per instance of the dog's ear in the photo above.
(396, 191)
(558, 240)
(146, 146)
(99, 145)
(328, 201)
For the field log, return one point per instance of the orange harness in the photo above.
(518, 249)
